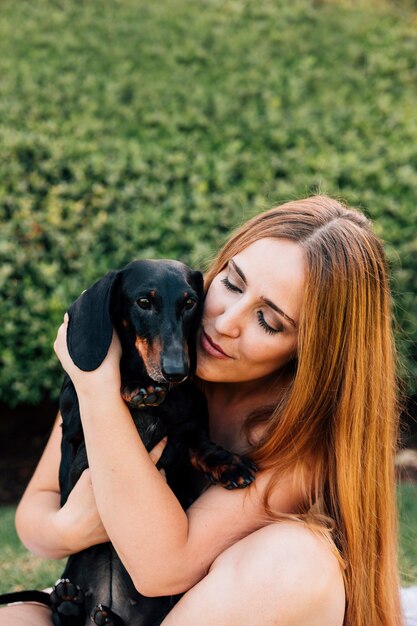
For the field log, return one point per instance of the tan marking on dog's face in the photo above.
(150, 354)
(142, 346)
(125, 323)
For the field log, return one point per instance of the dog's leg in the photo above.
(231, 470)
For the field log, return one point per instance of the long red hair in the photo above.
(341, 408)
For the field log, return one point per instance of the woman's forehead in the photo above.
(276, 258)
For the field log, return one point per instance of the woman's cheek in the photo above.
(212, 303)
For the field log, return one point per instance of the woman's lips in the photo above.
(212, 348)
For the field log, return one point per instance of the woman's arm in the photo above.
(165, 549)
(43, 526)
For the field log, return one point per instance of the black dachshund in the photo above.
(155, 307)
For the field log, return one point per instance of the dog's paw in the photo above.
(230, 470)
(67, 599)
(139, 398)
(103, 616)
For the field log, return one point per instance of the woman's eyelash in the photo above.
(226, 282)
(266, 326)
(262, 322)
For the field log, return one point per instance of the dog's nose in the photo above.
(174, 373)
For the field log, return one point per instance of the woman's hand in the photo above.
(156, 454)
(105, 377)
(79, 520)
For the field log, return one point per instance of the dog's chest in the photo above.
(149, 426)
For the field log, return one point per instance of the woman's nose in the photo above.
(229, 322)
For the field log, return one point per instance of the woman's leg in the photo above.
(25, 614)
(281, 575)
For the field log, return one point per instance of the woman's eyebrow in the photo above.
(266, 300)
(278, 310)
(238, 271)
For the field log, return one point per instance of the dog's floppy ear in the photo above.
(90, 326)
(197, 282)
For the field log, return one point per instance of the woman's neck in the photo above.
(230, 404)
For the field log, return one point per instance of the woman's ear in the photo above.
(90, 326)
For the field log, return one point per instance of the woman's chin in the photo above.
(212, 372)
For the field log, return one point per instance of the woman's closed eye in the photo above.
(264, 324)
(226, 282)
(260, 316)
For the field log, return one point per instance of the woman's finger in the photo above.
(157, 450)
(60, 336)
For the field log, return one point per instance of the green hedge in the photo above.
(130, 128)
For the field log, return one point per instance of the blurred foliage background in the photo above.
(137, 129)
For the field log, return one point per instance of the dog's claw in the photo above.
(231, 470)
(153, 396)
(142, 398)
(211, 478)
(103, 616)
(67, 599)
(64, 590)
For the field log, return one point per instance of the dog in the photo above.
(155, 308)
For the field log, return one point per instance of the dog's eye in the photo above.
(144, 303)
(189, 303)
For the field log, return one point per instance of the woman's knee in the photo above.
(26, 614)
(286, 571)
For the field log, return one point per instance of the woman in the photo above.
(297, 362)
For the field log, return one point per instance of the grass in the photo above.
(21, 570)
(407, 500)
